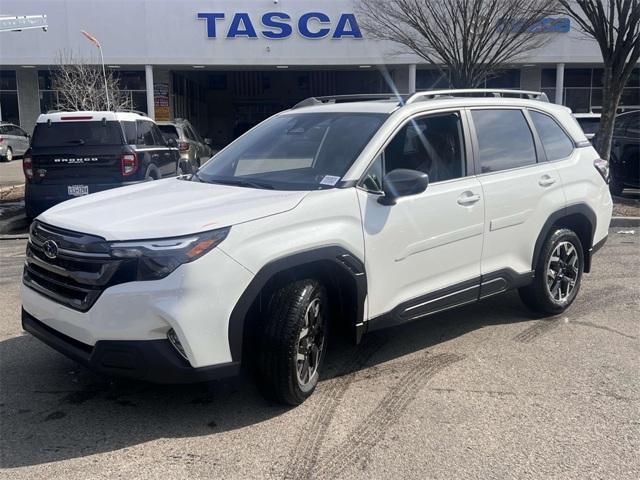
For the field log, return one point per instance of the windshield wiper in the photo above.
(79, 141)
(236, 182)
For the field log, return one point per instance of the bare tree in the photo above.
(468, 40)
(80, 86)
(615, 25)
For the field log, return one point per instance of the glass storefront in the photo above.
(428, 79)
(9, 111)
(131, 82)
(583, 89)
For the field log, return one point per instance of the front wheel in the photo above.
(558, 274)
(294, 341)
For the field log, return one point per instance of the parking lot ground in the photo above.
(486, 391)
(11, 173)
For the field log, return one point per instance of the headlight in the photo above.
(158, 258)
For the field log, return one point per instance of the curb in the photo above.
(14, 223)
(625, 222)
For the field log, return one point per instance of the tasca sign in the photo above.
(281, 25)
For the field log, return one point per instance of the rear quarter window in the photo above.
(555, 142)
(64, 134)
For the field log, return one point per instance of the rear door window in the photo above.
(62, 134)
(505, 140)
(157, 136)
(145, 133)
(556, 143)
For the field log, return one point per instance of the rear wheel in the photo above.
(9, 155)
(292, 346)
(558, 274)
(152, 173)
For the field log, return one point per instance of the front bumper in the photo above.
(150, 360)
(196, 301)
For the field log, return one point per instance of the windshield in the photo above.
(303, 151)
(59, 134)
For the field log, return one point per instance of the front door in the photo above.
(423, 254)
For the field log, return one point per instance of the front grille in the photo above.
(80, 270)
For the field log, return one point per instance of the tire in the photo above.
(288, 361)
(151, 173)
(615, 187)
(185, 168)
(8, 156)
(556, 282)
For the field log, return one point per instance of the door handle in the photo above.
(468, 198)
(546, 181)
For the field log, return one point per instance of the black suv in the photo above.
(77, 153)
(625, 153)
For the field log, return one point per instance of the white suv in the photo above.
(361, 214)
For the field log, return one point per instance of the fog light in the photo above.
(175, 341)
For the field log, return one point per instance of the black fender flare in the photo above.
(575, 209)
(340, 256)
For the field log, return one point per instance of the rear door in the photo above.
(521, 190)
(77, 150)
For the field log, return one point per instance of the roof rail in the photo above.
(476, 92)
(349, 98)
(142, 114)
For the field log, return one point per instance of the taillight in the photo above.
(603, 168)
(27, 166)
(129, 164)
(1, 139)
(183, 146)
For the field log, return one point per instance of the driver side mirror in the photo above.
(402, 183)
(172, 142)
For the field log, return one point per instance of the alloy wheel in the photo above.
(310, 343)
(563, 270)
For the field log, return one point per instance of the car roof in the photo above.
(389, 107)
(587, 115)
(91, 116)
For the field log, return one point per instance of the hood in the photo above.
(167, 208)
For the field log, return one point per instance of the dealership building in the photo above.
(228, 64)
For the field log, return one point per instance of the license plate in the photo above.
(78, 190)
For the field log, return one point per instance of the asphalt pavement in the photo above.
(487, 391)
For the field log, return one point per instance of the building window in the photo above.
(583, 89)
(9, 111)
(429, 79)
(132, 83)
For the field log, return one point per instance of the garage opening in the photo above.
(224, 104)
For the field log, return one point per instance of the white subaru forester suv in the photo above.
(359, 212)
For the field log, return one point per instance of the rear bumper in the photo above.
(149, 360)
(38, 198)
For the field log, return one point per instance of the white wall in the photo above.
(167, 32)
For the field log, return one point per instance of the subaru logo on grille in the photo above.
(50, 249)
